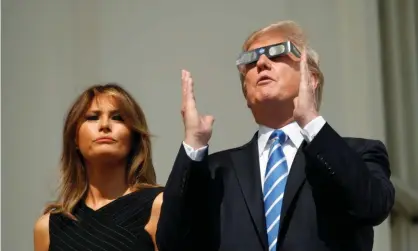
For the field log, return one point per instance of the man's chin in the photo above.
(273, 102)
(270, 99)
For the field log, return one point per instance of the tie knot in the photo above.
(279, 136)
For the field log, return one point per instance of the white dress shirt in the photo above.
(296, 137)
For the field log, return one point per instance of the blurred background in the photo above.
(53, 49)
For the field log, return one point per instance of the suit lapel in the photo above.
(295, 180)
(247, 167)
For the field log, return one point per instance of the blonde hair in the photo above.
(140, 170)
(294, 33)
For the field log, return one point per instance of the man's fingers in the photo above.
(184, 89)
(188, 95)
(308, 81)
(184, 82)
(191, 90)
(304, 70)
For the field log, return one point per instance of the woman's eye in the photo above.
(117, 117)
(92, 117)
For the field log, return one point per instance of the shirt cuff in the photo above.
(313, 128)
(195, 154)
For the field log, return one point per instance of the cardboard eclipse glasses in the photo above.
(270, 51)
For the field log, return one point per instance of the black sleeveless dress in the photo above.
(117, 226)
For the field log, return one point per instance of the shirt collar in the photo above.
(292, 130)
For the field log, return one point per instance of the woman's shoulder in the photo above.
(146, 197)
(42, 224)
(41, 232)
(148, 191)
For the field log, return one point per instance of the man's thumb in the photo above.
(295, 102)
(209, 119)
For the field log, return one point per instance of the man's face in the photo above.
(275, 79)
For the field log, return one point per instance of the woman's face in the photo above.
(103, 134)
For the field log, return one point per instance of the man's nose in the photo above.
(264, 63)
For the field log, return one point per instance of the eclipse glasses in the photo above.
(270, 51)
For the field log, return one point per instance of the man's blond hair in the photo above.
(291, 31)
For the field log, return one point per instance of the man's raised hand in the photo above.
(198, 128)
(306, 108)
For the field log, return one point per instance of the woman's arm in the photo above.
(41, 233)
(151, 226)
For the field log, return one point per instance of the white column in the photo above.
(395, 81)
(399, 30)
(361, 93)
(411, 85)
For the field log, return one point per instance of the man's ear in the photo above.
(314, 80)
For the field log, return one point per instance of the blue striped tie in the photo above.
(274, 184)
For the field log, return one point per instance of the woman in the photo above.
(108, 196)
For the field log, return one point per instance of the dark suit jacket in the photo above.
(337, 190)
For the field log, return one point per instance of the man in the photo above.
(296, 185)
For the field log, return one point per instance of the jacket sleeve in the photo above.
(182, 219)
(358, 179)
